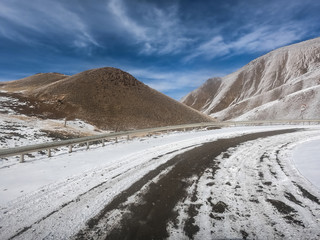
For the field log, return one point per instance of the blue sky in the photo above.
(173, 46)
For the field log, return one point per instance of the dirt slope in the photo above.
(283, 84)
(33, 82)
(198, 98)
(108, 98)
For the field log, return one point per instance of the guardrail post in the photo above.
(69, 144)
(22, 158)
(103, 143)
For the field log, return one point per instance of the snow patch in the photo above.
(306, 157)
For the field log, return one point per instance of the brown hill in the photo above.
(110, 99)
(33, 82)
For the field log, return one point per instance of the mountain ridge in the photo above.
(272, 77)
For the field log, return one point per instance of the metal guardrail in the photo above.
(103, 137)
(273, 122)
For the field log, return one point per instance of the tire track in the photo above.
(247, 200)
(149, 218)
(82, 201)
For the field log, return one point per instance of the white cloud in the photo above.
(173, 80)
(175, 84)
(259, 40)
(266, 38)
(118, 10)
(159, 30)
(215, 47)
(156, 30)
(43, 18)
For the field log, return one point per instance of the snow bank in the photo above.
(306, 157)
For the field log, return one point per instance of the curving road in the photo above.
(238, 187)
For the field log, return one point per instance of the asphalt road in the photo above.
(229, 188)
(156, 209)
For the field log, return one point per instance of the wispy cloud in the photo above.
(27, 21)
(260, 40)
(129, 25)
(173, 46)
(150, 28)
(173, 80)
(159, 31)
(257, 27)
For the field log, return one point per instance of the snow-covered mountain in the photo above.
(283, 84)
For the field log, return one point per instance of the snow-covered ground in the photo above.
(278, 109)
(251, 176)
(18, 129)
(306, 157)
(41, 197)
(17, 179)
